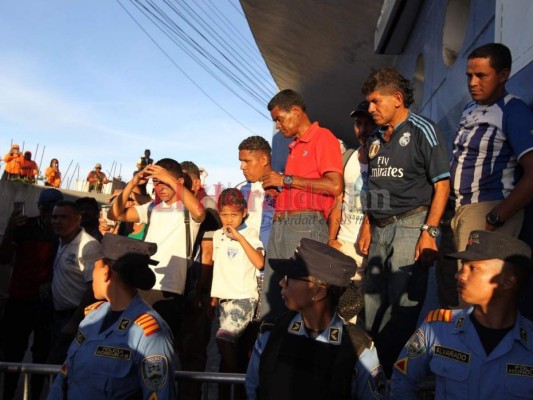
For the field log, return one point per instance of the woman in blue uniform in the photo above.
(310, 353)
(123, 349)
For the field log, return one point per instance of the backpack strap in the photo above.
(150, 209)
(346, 157)
(187, 220)
(188, 247)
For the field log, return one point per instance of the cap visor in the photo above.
(289, 267)
(467, 255)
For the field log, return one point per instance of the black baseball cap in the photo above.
(362, 108)
(49, 197)
(316, 259)
(488, 245)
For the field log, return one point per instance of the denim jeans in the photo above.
(395, 286)
(285, 235)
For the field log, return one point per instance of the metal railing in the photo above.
(426, 391)
(27, 370)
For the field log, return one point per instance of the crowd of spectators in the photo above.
(297, 245)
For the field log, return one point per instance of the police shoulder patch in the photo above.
(155, 372)
(93, 306)
(440, 315)
(148, 324)
(416, 346)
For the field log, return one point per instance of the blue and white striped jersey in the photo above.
(489, 143)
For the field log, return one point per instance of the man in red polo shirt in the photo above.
(312, 181)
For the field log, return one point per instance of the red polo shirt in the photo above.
(317, 152)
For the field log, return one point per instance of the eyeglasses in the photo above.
(310, 280)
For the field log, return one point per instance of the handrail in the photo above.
(49, 369)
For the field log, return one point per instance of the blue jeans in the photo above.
(285, 235)
(395, 286)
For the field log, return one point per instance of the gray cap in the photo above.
(316, 259)
(487, 245)
(116, 246)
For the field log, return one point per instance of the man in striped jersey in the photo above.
(492, 165)
(408, 182)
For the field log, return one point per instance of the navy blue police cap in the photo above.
(116, 246)
(316, 259)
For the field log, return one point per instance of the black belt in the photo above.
(291, 213)
(381, 222)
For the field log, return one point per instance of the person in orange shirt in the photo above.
(52, 174)
(13, 159)
(28, 168)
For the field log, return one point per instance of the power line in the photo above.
(170, 25)
(230, 50)
(183, 72)
(235, 35)
(235, 7)
(237, 78)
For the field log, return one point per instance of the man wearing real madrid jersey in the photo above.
(408, 182)
(486, 351)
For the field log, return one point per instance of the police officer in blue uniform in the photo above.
(486, 351)
(309, 353)
(123, 348)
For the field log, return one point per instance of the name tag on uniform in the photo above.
(520, 369)
(113, 352)
(451, 354)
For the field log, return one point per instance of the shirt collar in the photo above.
(332, 334)
(519, 332)
(307, 136)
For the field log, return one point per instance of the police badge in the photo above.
(374, 148)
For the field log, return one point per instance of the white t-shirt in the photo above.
(234, 275)
(73, 270)
(167, 230)
(355, 177)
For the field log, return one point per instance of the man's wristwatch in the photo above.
(433, 231)
(287, 181)
(493, 218)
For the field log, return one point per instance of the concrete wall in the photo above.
(29, 194)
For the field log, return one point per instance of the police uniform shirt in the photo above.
(447, 345)
(368, 374)
(133, 357)
(401, 172)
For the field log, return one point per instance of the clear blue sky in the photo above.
(81, 78)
